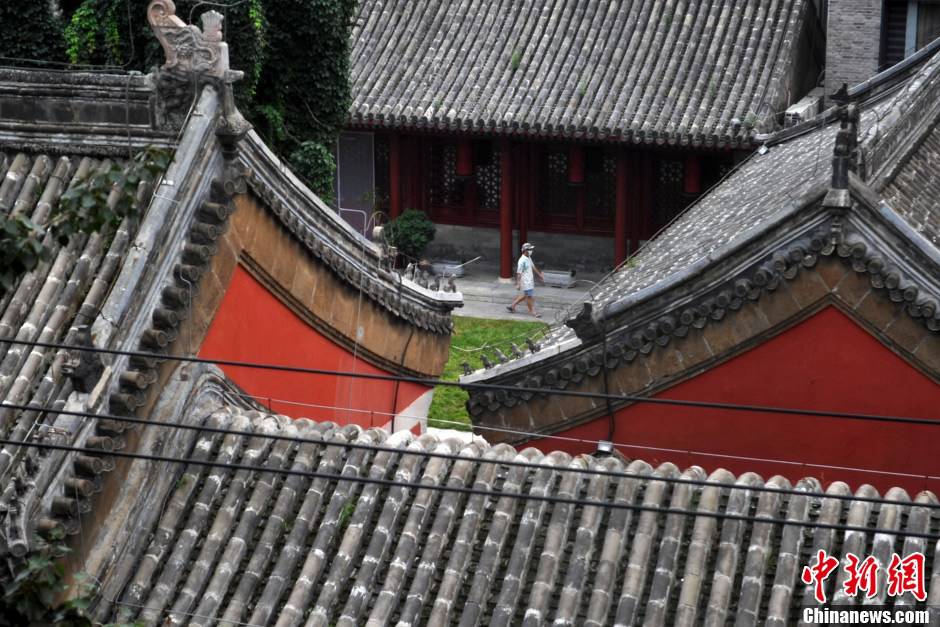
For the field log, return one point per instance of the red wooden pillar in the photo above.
(523, 192)
(620, 211)
(576, 165)
(394, 175)
(505, 210)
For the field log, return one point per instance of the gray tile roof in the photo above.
(215, 544)
(132, 291)
(771, 185)
(914, 191)
(48, 303)
(107, 283)
(641, 70)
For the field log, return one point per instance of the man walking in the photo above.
(525, 280)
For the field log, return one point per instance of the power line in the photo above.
(555, 500)
(462, 426)
(787, 462)
(456, 457)
(484, 386)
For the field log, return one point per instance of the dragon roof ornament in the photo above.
(188, 49)
(194, 57)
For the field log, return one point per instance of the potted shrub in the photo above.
(410, 233)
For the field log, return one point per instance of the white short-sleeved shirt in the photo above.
(524, 270)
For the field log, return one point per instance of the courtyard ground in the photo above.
(473, 337)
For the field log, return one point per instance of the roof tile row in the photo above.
(707, 72)
(256, 547)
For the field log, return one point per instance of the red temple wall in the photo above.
(827, 362)
(251, 324)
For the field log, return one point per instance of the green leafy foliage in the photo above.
(81, 34)
(307, 68)
(345, 514)
(82, 209)
(37, 594)
(410, 233)
(449, 406)
(21, 249)
(116, 33)
(34, 589)
(515, 61)
(295, 55)
(30, 30)
(315, 163)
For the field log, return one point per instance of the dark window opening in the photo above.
(668, 198)
(600, 183)
(713, 170)
(444, 189)
(555, 195)
(486, 175)
(908, 27)
(461, 200)
(928, 23)
(895, 32)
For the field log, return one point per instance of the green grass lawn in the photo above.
(448, 409)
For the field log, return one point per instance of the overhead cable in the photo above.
(496, 494)
(377, 448)
(484, 386)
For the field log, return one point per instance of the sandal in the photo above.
(537, 315)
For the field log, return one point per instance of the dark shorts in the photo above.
(529, 292)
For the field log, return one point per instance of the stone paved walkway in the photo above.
(485, 296)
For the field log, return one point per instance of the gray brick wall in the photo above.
(853, 41)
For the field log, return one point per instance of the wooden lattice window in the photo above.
(669, 199)
(555, 194)
(444, 188)
(382, 173)
(600, 182)
(486, 174)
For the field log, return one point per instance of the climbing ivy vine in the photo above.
(30, 30)
(295, 55)
(304, 95)
(116, 33)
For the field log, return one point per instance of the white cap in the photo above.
(527, 246)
